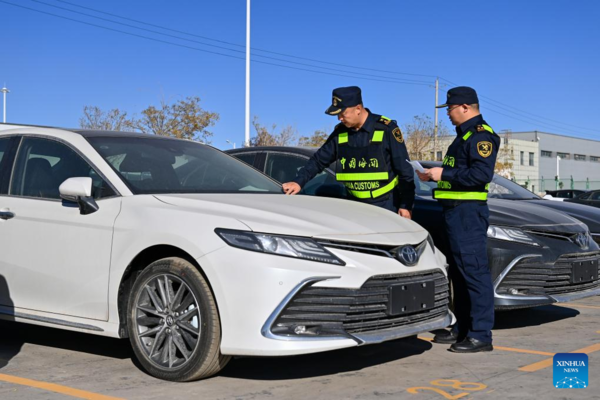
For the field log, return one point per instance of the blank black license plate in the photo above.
(411, 297)
(584, 271)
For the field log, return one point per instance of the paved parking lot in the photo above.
(43, 363)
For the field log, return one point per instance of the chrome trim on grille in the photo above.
(510, 266)
(266, 329)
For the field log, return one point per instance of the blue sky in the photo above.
(534, 63)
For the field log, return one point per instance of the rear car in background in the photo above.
(196, 257)
(591, 198)
(562, 194)
(537, 255)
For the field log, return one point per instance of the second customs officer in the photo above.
(463, 182)
(370, 155)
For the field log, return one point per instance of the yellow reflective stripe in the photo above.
(488, 128)
(377, 136)
(360, 195)
(375, 193)
(343, 138)
(449, 195)
(467, 135)
(363, 176)
(389, 119)
(386, 188)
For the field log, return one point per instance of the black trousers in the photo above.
(466, 230)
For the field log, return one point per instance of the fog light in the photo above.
(513, 291)
(300, 329)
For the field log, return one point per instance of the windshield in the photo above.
(160, 165)
(500, 188)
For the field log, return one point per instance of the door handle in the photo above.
(6, 215)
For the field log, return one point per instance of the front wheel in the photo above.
(173, 323)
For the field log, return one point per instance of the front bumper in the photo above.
(253, 290)
(539, 276)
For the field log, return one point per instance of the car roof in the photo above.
(85, 132)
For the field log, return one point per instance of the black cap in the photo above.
(343, 98)
(460, 95)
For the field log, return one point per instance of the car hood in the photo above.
(586, 214)
(528, 215)
(309, 216)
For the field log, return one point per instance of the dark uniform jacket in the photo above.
(394, 150)
(471, 158)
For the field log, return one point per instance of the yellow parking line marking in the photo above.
(548, 362)
(82, 394)
(542, 353)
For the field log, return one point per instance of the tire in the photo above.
(180, 341)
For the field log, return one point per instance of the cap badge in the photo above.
(336, 100)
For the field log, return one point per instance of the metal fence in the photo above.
(541, 185)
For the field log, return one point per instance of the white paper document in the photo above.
(416, 166)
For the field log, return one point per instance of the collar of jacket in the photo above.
(469, 125)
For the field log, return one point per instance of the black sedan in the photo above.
(589, 198)
(537, 255)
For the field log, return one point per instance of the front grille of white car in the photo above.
(350, 311)
(373, 249)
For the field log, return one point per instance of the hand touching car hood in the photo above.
(305, 216)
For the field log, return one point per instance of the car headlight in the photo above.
(511, 235)
(288, 246)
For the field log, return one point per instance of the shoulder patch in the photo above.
(398, 135)
(484, 149)
(385, 120)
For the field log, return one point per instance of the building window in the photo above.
(564, 156)
(439, 156)
(579, 157)
(522, 158)
(531, 159)
(546, 153)
(594, 159)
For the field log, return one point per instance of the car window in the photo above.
(283, 167)
(159, 165)
(596, 196)
(502, 188)
(4, 142)
(4, 171)
(584, 196)
(43, 165)
(423, 188)
(248, 158)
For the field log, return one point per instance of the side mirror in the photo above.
(79, 190)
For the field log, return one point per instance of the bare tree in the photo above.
(184, 119)
(504, 161)
(316, 140)
(113, 120)
(266, 137)
(419, 136)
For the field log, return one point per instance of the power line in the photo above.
(388, 80)
(225, 48)
(239, 45)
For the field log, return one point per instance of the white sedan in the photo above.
(196, 257)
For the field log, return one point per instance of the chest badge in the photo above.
(398, 135)
(484, 149)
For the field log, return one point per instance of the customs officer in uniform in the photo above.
(370, 156)
(463, 182)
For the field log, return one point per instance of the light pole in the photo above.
(247, 121)
(231, 143)
(4, 90)
(557, 170)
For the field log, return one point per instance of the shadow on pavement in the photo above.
(532, 316)
(322, 364)
(8, 349)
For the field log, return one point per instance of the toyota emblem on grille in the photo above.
(582, 240)
(408, 255)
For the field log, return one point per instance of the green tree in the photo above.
(317, 139)
(184, 119)
(113, 120)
